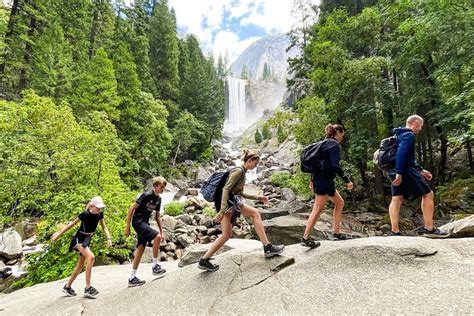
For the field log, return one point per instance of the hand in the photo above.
(162, 237)
(109, 242)
(127, 231)
(398, 180)
(218, 217)
(311, 185)
(263, 199)
(350, 185)
(425, 173)
(55, 237)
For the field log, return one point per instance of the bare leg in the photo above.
(318, 206)
(427, 207)
(226, 233)
(252, 212)
(138, 256)
(394, 212)
(337, 212)
(77, 270)
(156, 246)
(87, 253)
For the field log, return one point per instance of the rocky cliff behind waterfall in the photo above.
(270, 50)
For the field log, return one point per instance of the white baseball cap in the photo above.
(97, 202)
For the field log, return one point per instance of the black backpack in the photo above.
(214, 184)
(310, 159)
(385, 156)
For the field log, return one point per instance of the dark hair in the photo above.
(332, 129)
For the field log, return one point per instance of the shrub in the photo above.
(258, 137)
(209, 211)
(280, 179)
(175, 208)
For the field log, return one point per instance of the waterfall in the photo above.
(235, 120)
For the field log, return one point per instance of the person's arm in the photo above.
(229, 184)
(131, 211)
(159, 221)
(406, 140)
(335, 158)
(106, 232)
(65, 229)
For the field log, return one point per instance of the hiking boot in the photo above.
(135, 282)
(69, 291)
(91, 292)
(434, 233)
(206, 264)
(311, 243)
(395, 233)
(339, 236)
(271, 250)
(158, 270)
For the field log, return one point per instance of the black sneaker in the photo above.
(135, 282)
(434, 233)
(339, 236)
(395, 233)
(311, 243)
(91, 292)
(158, 270)
(69, 291)
(206, 264)
(271, 250)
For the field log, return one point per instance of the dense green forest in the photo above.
(370, 64)
(97, 97)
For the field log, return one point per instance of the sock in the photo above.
(155, 262)
(134, 273)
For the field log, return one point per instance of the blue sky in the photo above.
(232, 25)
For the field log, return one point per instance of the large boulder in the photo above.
(10, 244)
(460, 228)
(288, 195)
(289, 229)
(201, 175)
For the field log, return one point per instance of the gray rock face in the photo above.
(348, 277)
(270, 50)
(461, 228)
(10, 244)
(288, 194)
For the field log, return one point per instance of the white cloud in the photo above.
(230, 42)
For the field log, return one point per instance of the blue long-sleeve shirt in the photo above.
(405, 157)
(331, 154)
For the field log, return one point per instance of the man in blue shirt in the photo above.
(410, 179)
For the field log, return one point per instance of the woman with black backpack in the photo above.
(230, 205)
(322, 183)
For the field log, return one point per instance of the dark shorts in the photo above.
(413, 184)
(324, 185)
(230, 204)
(145, 234)
(80, 239)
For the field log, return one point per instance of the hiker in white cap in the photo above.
(81, 240)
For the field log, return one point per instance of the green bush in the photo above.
(258, 137)
(281, 134)
(209, 211)
(280, 179)
(266, 133)
(175, 208)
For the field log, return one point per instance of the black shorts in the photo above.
(324, 185)
(230, 203)
(413, 184)
(145, 233)
(80, 239)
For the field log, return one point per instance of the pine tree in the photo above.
(258, 137)
(96, 88)
(102, 27)
(164, 52)
(266, 71)
(244, 73)
(266, 133)
(220, 66)
(51, 73)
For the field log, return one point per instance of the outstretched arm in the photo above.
(65, 229)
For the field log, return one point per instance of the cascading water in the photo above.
(235, 120)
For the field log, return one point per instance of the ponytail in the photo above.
(332, 129)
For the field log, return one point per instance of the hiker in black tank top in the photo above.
(230, 205)
(322, 183)
(80, 242)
